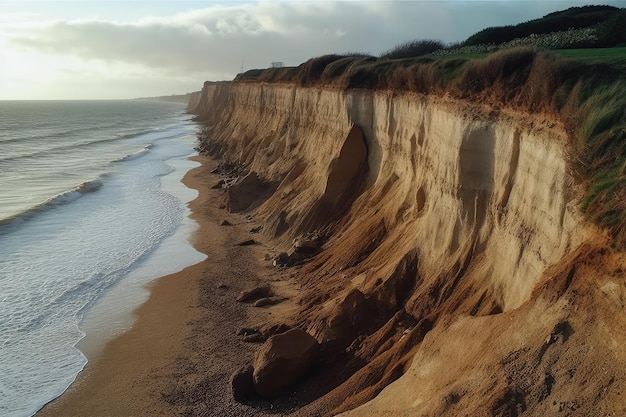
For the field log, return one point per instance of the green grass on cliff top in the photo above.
(615, 57)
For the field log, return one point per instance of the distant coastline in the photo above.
(174, 98)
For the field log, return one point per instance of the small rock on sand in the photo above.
(268, 301)
(255, 338)
(246, 331)
(255, 294)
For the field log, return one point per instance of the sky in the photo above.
(110, 49)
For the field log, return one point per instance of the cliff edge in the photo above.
(456, 273)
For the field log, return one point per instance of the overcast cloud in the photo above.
(211, 41)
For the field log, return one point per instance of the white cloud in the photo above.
(217, 39)
(212, 42)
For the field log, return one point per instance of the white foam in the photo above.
(56, 267)
(112, 314)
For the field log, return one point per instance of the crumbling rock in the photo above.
(282, 360)
(247, 193)
(288, 260)
(303, 248)
(306, 246)
(343, 319)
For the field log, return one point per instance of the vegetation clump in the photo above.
(413, 49)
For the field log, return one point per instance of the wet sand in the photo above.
(178, 356)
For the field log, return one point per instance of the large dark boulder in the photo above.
(282, 360)
(241, 384)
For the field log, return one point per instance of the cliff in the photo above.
(457, 274)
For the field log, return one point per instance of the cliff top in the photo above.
(583, 88)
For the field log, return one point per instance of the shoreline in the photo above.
(113, 314)
(182, 348)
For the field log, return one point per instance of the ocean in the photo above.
(91, 210)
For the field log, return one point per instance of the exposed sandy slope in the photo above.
(456, 262)
(178, 357)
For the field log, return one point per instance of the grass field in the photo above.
(615, 57)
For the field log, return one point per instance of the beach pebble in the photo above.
(255, 338)
(254, 294)
(268, 301)
(246, 331)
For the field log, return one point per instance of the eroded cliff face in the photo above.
(453, 248)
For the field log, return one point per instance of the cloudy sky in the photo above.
(100, 49)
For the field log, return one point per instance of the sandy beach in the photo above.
(178, 356)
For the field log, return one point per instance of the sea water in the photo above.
(91, 210)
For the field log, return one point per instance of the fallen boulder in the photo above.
(247, 192)
(281, 360)
(306, 246)
(241, 384)
(288, 260)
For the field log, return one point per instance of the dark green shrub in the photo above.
(613, 31)
(572, 18)
(413, 49)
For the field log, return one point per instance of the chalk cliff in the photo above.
(457, 275)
